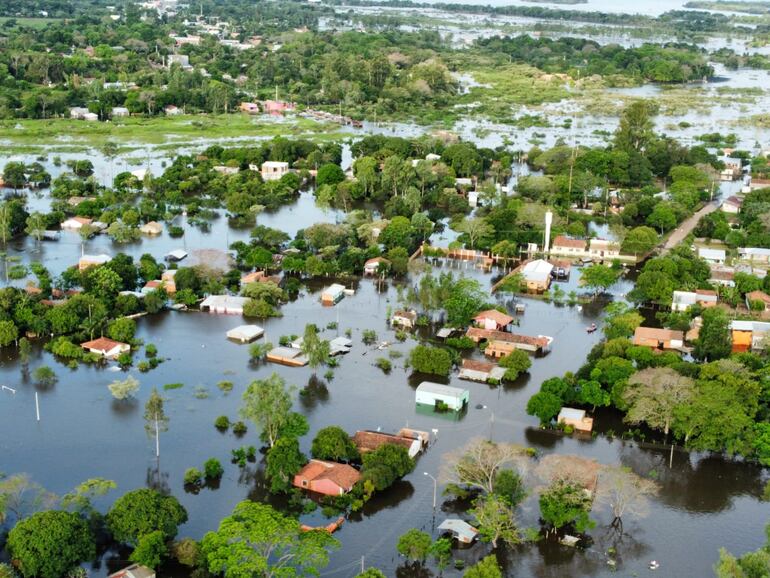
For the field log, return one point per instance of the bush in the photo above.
(435, 360)
(239, 428)
(368, 336)
(150, 350)
(44, 375)
(213, 469)
(384, 364)
(225, 386)
(461, 342)
(144, 366)
(170, 386)
(402, 335)
(222, 422)
(175, 231)
(192, 477)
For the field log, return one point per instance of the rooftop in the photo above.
(438, 389)
(460, 528)
(537, 270)
(494, 315)
(562, 241)
(102, 344)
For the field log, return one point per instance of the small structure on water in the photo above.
(151, 228)
(372, 266)
(106, 347)
(537, 275)
(576, 418)
(134, 571)
(245, 333)
(87, 261)
(287, 356)
(175, 255)
(340, 346)
(333, 294)
(76, 223)
(404, 319)
(328, 478)
(501, 343)
(461, 531)
(224, 304)
(441, 396)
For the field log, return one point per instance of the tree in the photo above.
(122, 330)
(624, 491)
(639, 241)
(150, 550)
(477, 229)
(399, 260)
(636, 129)
(434, 360)
(333, 443)
(544, 406)
(714, 338)
(386, 464)
(36, 226)
(256, 540)
(599, 277)
(652, 396)
(663, 217)
(143, 511)
(621, 320)
(487, 567)
(565, 503)
(283, 461)
(267, 403)
(122, 232)
(25, 350)
(315, 348)
(49, 544)
(329, 174)
(122, 389)
(496, 520)
(8, 333)
(414, 545)
(13, 175)
(398, 233)
(45, 376)
(478, 463)
(155, 419)
(515, 363)
(20, 497)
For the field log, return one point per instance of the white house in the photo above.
(372, 266)
(732, 205)
(75, 223)
(181, 59)
(433, 394)
(134, 571)
(715, 256)
(576, 418)
(537, 275)
(225, 304)
(172, 110)
(683, 300)
(462, 531)
(118, 111)
(405, 319)
(333, 294)
(756, 255)
(245, 333)
(274, 170)
(603, 249)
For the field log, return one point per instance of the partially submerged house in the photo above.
(441, 396)
(404, 319)
(224, 304)
(87, 261)
(328, 478)
(568, 247)
(175, 255)
(603, 249)
(754, 255)
(368, 441)
(151, 228)
(658, 338)
(493, 319)
(537, 275)
(481, 371)
(333, 294)
(732, 205)
(340, 346)
(683, 300)
(372, 266)
(501, 343)
(75, 223)
(245, 333)
(576, 418)
(287, 356)
(461, 531)
(106, 347)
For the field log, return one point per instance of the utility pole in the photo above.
(157, 437)
(37, 407)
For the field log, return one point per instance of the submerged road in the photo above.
(687, 226)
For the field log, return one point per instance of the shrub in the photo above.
(433, 360)
(368, 336)
(402, 335)
(150, 350)
(222, 422)
(192, 476)
(170, 386)
(239, 428)
(201, 392)
(175, 231)
(461, 342)
(225, 386)
(213, 469)
(44, 375)
(384, 364)
(186, 551)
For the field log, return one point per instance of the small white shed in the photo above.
(245, 333)
(429, 393)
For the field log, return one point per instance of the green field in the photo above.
(63, 135)
(29, 22)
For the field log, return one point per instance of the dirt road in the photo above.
(687, 226)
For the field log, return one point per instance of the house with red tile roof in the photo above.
(328, 478)
(106, 347)
(493, 319)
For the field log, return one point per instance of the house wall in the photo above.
(326, 487)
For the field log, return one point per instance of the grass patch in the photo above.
(170, 386)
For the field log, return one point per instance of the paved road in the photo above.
(687, 226)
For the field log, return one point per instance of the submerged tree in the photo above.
(478, 463)
(155, 419)
(624, 492)
(267, 403)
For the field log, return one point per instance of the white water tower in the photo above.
(548, 222)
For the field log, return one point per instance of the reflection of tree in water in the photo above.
(124, 408)
(690, 484)
(540, 438)
(314, 393)
(399, 492)
(157, 480)
(413, 570)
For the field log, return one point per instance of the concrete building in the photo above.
(537, 275)
(224, 304)
(333, 294)
(273, 170)
(461, 531)
(576, 418)
(658, 338)
(87, 261)
(328, 478)
(438, 396)
(245, 333)
(106, 347)
(369, 441)
(683, 300)
(713, 256)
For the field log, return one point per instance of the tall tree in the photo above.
(624, 492)
(653, 395)
(267, 403)
(155, 418)
(635, 131)
(315, 348)
(714, 337)
(283, 461)
(478, 463)
(496, 520)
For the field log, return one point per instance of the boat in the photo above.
(591, 328)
